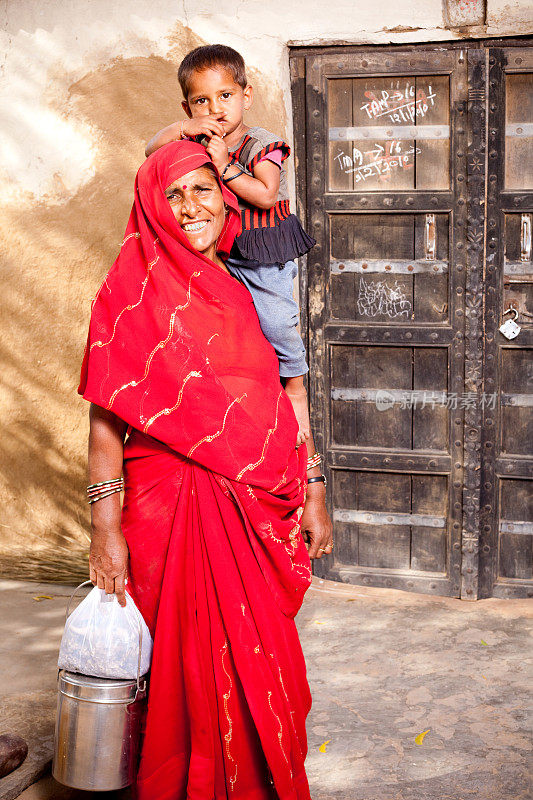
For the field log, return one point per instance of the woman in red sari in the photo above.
(186, 402)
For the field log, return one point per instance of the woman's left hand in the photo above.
(315, 522)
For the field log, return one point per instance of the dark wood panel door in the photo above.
(423, 216)
(506, 541)
(385, 138)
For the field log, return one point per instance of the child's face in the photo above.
(213, 91)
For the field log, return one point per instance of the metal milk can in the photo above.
(98, 727)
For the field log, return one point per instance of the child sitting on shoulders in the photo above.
(250, 161)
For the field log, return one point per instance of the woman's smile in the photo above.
(193, 227)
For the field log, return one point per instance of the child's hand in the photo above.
(298, 398)
(301, 437)
(208, 125)
(218, 150)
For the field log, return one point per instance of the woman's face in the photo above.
(198, 205)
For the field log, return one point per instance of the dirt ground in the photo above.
(414, 697)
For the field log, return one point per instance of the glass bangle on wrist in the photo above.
(97, 491)
(314, 461)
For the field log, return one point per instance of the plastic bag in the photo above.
(101, 638)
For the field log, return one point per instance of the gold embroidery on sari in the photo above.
(159, 346)
(280, 732)
(212, 436)
(167, 411)
(99, 343)
(281, 682)
(137, 235)
(282, 481)
(269, 434)
(226, 695)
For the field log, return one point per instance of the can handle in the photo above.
(140, 686)
(85, 583)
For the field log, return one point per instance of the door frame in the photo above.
(499, 202)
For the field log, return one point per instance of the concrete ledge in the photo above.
(509, 608)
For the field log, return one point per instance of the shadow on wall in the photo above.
(54, 256)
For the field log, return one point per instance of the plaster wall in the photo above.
(85, 83)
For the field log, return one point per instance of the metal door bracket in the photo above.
(430, 237)
(525, 237)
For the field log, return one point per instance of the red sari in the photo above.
(214, 493)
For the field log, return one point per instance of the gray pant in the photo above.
(271, 288)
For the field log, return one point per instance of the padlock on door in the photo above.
(510, 328)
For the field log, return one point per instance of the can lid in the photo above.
(96, 690)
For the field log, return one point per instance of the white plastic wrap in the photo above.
(101, 638)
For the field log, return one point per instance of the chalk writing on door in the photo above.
(399, 105)
(381, 160)
(380, 298)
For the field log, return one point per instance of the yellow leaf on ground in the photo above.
(43, 597)
(484, 643)
(322, 747)
(420, 738)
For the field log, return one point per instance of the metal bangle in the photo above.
(228, 165)
(321, 478)
(237, 175)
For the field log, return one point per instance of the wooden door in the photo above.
(423, 220)
(506, 536)
(385, 285)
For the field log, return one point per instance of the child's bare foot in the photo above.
(298, 397)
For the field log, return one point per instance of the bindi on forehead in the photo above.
(184, 186)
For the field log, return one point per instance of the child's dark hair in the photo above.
(211, 56)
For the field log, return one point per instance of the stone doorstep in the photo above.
(48, 789)
(24, 781)
(37, 729)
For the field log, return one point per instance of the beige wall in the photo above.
(85, 84)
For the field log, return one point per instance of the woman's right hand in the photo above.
(108, 562)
